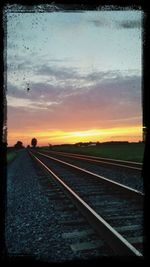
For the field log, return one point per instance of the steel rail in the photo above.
(128, 189)
(116, 241)
(105, 161)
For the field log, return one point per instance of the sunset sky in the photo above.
(84, 71)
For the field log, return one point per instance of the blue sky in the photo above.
(78, 39)
(78, 66)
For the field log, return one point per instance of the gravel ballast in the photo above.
(39, 217)
(32, 223)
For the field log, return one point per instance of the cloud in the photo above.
(57, 72)
(103, 102)
(101, 22)
(124, 24)
(103, 75)
(36, 91)
(27, 103)
(112, 98)
(116, 82)
(130, 24)
(21, 71)
(108, 103)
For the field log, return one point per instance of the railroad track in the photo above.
(127, 176)
(115, 211)
(108, 161)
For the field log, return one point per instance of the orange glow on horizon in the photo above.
(131, 134)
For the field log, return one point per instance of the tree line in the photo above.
(19, 144)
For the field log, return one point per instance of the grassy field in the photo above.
(124, 151)
(11, 155)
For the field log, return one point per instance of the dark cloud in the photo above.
(106, 83)
(125, 24)
(125, 90)
(130, 24)
(103, 75)
(101, 22)
(41, 92)
(57, 72)
(18, 64)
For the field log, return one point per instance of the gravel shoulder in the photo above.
(32, 224)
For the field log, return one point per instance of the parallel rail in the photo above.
(114, 162)
(115, 240)
(125, 189)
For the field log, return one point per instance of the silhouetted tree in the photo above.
(18, 145)
(34, 142)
